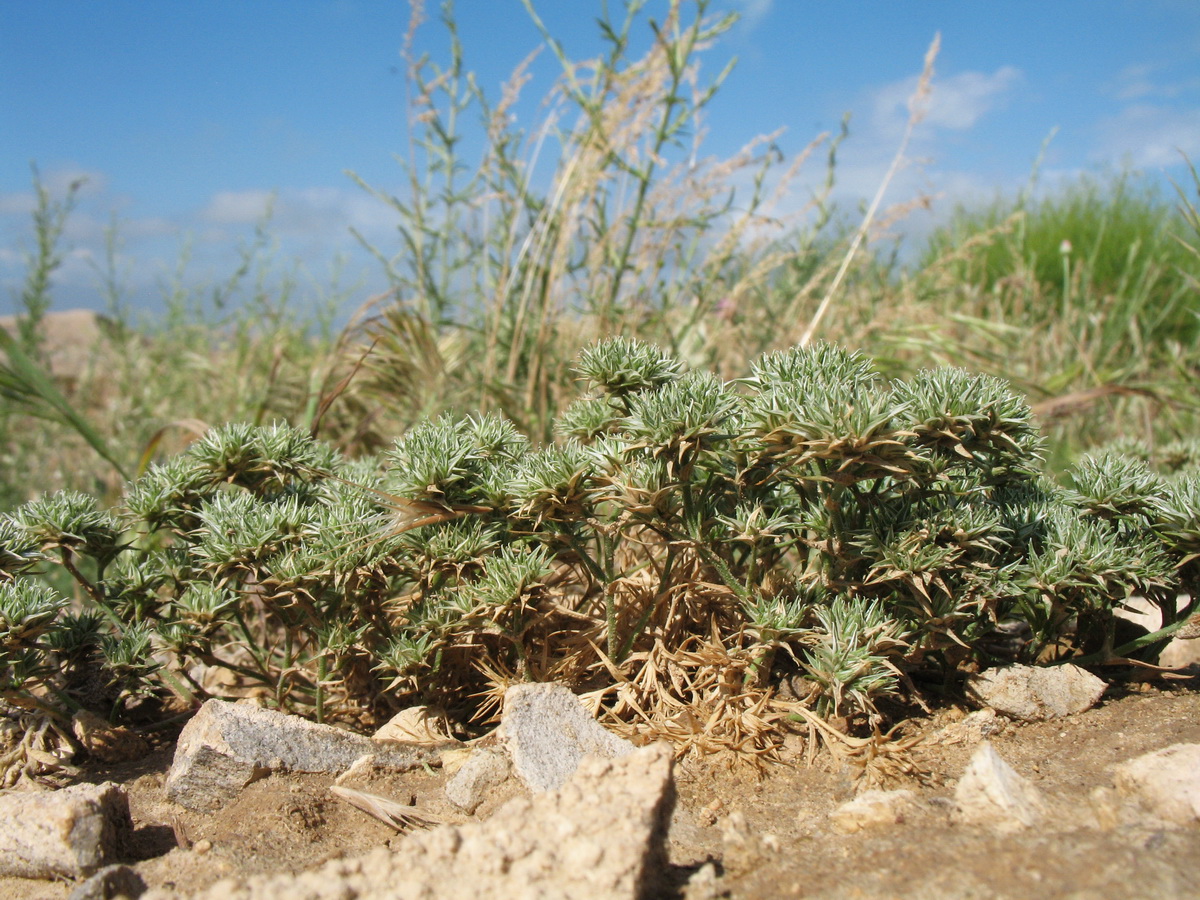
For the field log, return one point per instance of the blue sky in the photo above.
(185, 118)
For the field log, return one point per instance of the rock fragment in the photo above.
(417, 725)
(548, 731)
(1165, 783)
(1036, 693)
(872, 809)
(226, 746)
(69, 833)
(991, 793)
(107, 743)
(601, 836)
(484, 769)
(109, 883)
(983, 723)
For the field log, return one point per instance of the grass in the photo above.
(604, 218)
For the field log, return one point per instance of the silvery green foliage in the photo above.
(866, 533)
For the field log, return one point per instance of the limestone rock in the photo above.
(991, 793)
(226, 746)
(69, 833)
(601, 836)
(109, 883)
(872, 809)
(1166, 783)
(468, 787)
(1035, 693)
(548, 731)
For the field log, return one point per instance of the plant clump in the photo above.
(687, 549)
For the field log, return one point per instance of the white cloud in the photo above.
(1150, 136)
(316, 212)
(18, 203)
(752, 12)
(237, 207)
(956, 102)
(88, 182)
(1139, 82)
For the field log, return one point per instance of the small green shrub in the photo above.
(687, 543)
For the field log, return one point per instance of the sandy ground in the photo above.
(788, 848)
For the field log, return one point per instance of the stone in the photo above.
(741, 850)
(704, 884)
(107, 743)
(991, 793)
(974, 727)
(1165, 783)
(69, 833)
(109, 883)
(454, 759)
(226, 746)
(417, 725)
(1036, 693)
(603, 836)
(873, 809)
(1183, 650)
(467, 788)
(548, 731)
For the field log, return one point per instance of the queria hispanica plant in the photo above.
(686, 545)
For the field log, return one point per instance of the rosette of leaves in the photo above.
(451, 463)
(71, 525)
(847, 656)
(820, 415)
(931, 569)
(259, 458)
(1083, 569)
(27, 612)
(20, 552)
(1176, 520)
(975, 420)
(1118, 488)
(623, 367)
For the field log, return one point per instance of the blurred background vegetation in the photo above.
(1084, 296)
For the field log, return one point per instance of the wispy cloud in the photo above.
(1144, 81)
(318, 214)
(957, 102)
(305, 225)
(1148, 136)
(752, 12)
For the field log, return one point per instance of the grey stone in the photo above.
(69, 833)
(1035, 693)
(602, 836)
(1165, 783)
(468, 787)
(226, 746)
(872, 809)
(110, 883)
(548, 731)
(991, 793)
